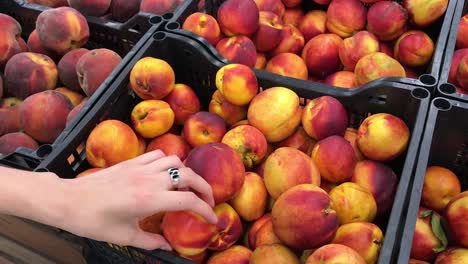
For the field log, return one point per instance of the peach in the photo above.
(322, 2)
(342, 79)
(266, 236)
(378, 179)
(387, 20)
(375, 66)
(453, 256)
(8, 47)
(152, 118)
(74, 97)
(208, 160)
(238, 17)
(1, 87)
(10, 102)
(28, 73)
(289, 65)
(88, 172)
(260, 62)
(44, 115)
(426, 245)
(10, 142)
(229, 112)
(414, 48)
(176, 226)
(344, 17)
(67, 69)
(170, 144)
(356, 47)
(238, 49)
(456, 215)
(76, 110)
(183, 101)
(335, 253)
(275, 6)
(273, 254)
(304, 205)
(313, 24)
(199, 258)
(35, 45)
(383, 137)
(276, 113)
(152, 78)
(386, 48)
(423, 13)
(410, 73)
(152, 224)
(268, 34)
(287, 167)
(203, 25)
(440, 186)
(293, 16)
(10, 25)
(321, 55)
(248, 142)
(291, 41)
(299, 140)
(204, 127)
(415, 261)
(353, 203)
(90, 7)
(323, 117)
(237, 83)
(23, 45)
(462, 40)
(10, 120)
(111, 142)
(256, 226)
(234, 255)
(454, 67)
(291, 3)
(141, 145)
(123, 10)
(158, 7)
(253, 189)
(462, 73)
(229, 228)
(94, 67)
(75, 31)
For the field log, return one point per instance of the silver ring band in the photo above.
(174, 175)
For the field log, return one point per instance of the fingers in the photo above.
(188, 178)
(150, 241)
(180, 201)
(148, 157)
(163, 164)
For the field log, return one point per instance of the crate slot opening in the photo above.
(448, 88)
(173, 26)
(420, 93)
(442, 104)
(428, 79)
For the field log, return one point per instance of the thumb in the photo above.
(150, 241)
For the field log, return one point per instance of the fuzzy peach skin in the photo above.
(321, 55)
(293, 16)
(292, 41)
(462, 73)
(356, 47)
(266, 235)
(275, 6)
(287, 167)
(238, 17)
(123, 10)
(208, 160)
(10, 25)
(24, 47)
(383, 137)
(237, 83)
(152, 118)
(90, 7)
(456, 216)
(423, 13)
(299, 140)
(74, 97)
(323, 117)
(28, 73)
(76, 110)
(365, 238)
(414, 48)
(10, 142)
(275, 112)
(268, 34)
(441, 185)
(353, 203)
(415, 261)
(344, 17)
(289, 65)
(8, 47)
(11, 122)
(75, 31)
(273, 254)
(152, 78)
(453, 255)
(204, 127)
(203, 25)
(335, 254)
(304, 205)
(183, 101)
(248, 142)
(387, 20)
(253, 231)
(424, 240)
(111, 142)
(378, 179)
(253, 189)
(236, 254)
(158, 7)
(462, 34)
(342, 79)
(170, 144)
(176, 226)
(229, 112)
(229, 228)
(43, 115)
(238, 49)
(291, 3)
(67, 69)
(454, 66)
(34, 45)
(375, 66)
(261, 61)
(313, 23)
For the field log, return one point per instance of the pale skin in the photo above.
(108, 204)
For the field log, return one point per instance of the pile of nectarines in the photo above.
(343, 43)
(288, 180)
(458, 74)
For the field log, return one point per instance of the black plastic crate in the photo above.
(195, 66)
(125, 39)
(428, 79)
(445, 143)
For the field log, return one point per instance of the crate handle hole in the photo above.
(168, 16)
(156, 20)
(448, 88)
(44, 150)
(159, 36)
(173, 26)
(428, 79)
(442, 104)
(420, 93)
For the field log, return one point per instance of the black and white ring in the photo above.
(174, 175)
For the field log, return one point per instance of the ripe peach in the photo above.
(8, 47)
(152, 78)
(415, 261)
(10, 102)
(378, 179)
(423, 13)
(88, 172)
(234, 255)
(152, 224)
(454, 67)
(183, 101)
(10, 25)
(321, 55)
(203, 25)
(462, 73)
(253, 189)
(344, 17)
(456, 215)
(266, 236)
(260, 62)
(10, 142)
(10, 120)
(453, 256)
(342, 79)
(440, 186)
(152, 118)
(229, 112)
(158, 7)
(204, 127)
(273, 254)
(275, 112)
(335, 253)
(199, 258)
(111, 142)
(256, 226)
(299, 140)
(323, 117)
(67, 69)
(75, 31)
(387, 20)
(76, 110)
(304, 205)
(356, 47)
(238, 49)
(74, 97)
(353, 203)
(28, 73)
(313, 23)
(268, 34)
(414, 48)
(90, 7)
(462, 40)
(275, 6)
(377, 65)
(238, 17)
(229, 228)
(123, 10)
(237, 83)
(383, 137)
(35, 45)
(291, 41)
(289, 65)
(170, 144)
(208, 160)
(293, 16)
(425, 245)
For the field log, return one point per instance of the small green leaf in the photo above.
(425, 213)
(438, 231)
